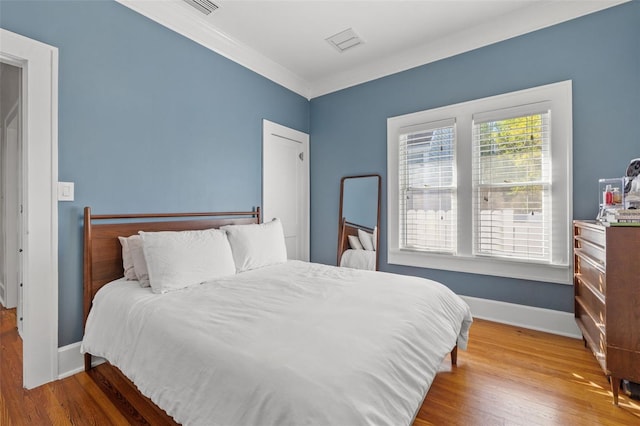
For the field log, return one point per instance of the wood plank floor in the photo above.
(508, 376)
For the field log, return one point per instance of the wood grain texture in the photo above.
(607, 297)
(508, 376)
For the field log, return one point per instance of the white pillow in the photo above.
(366, 239)
(354, 242)
(257, 245)
(374, 239)
(177, 260)
(127, 259)
(139, 263)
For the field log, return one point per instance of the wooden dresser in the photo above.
(607, 297)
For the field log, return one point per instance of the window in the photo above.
(427, 187)
(512, 184)
(484, 186)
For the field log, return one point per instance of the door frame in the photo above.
(269, 129)
(10, 168)
(39, 193)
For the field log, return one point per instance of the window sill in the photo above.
(483, 266)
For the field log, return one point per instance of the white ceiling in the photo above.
(285, 40)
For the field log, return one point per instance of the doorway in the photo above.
(285, 185)
(10, 147)
(37, 197)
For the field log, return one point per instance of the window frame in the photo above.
(559, 97)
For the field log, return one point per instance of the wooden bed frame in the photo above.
(103, 264)
(103, 252)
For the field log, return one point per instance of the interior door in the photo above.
(285, 185)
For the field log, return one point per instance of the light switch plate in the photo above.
(65, 191)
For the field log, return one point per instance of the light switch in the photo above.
(65, 191)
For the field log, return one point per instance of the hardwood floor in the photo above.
(508, 376)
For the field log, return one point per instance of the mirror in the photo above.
(359, 211)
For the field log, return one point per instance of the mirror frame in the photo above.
(341, 239)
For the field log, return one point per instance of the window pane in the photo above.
(512, 150)
(512, 187)
(428, 158)
(429, 222)
(511, 222)
(427, 189)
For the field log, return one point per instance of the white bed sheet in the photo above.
(291, 344)
(359, 259)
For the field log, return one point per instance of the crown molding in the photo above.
(178, 16)
(512, 25)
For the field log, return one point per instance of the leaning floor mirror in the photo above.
(359, 222)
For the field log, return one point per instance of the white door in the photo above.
(285, 185)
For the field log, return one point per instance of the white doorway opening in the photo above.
(10, 143)
(39, 176)
(285, 185)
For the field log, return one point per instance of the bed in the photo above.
(289, 343)
(357, 258)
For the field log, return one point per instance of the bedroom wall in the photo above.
(149, 121)
(599, 52)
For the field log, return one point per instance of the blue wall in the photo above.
(149, 121)
(599, 52)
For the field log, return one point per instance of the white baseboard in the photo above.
(547, 320)
(71, 361)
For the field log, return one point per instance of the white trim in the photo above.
(547, 320)
(71, 360)
(180, 17)
(511, 25)
(40, 247)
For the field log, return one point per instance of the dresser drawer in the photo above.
(590, 272)
(592, 329)
(592, 251)
(591, 299)
(591, 234)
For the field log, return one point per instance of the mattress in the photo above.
(290, 344)
(359, 259)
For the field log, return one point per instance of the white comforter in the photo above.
(291, 344)
(359, 259)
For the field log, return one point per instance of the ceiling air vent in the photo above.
(204, 6)
(345, 40)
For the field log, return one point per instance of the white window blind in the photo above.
(512, 183)
(427, 192)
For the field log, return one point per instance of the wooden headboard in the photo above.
(103, 252)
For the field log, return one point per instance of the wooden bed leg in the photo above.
(454, 355)
(615, 388)
(87, 362)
